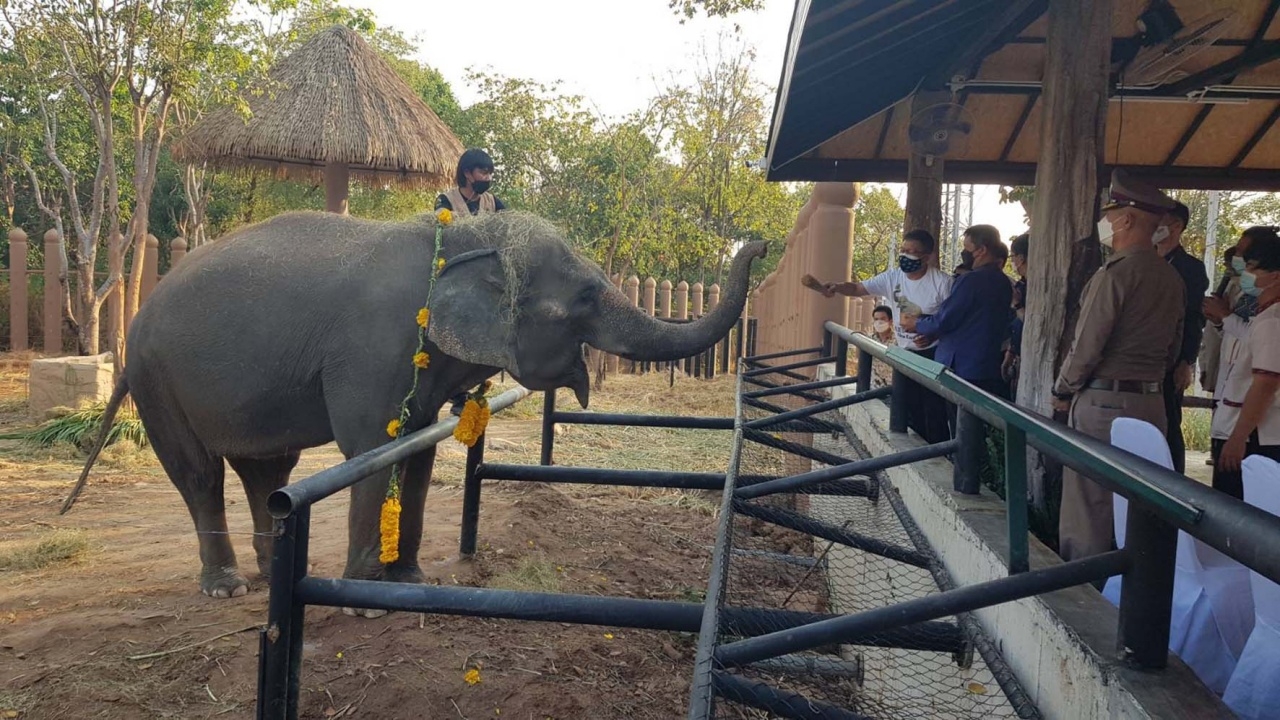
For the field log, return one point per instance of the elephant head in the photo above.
(522, 300)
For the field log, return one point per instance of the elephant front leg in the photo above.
(364, 526)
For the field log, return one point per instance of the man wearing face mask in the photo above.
(474, 176)
(971, 324)
(1128, 336)
(1168, 242)
(915, 287)
(1247, 421)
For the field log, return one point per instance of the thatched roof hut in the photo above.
(333, 108)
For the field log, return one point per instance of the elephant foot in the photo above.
(402, 573)
(224, 582)
(364, 612)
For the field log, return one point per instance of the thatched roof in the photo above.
(334, 100)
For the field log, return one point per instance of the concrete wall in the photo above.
(1062, 645)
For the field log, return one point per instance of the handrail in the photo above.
(284, 502)
(1241, 531)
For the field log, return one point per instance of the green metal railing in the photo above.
(1161, 501)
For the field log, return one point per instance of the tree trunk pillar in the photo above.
(924, 180)
(52, 293)
(1073, 136)
(18, 290)
(337, 179)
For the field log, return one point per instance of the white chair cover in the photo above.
(1212, 607)
(1254, 690)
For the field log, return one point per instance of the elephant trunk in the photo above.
(624, 330)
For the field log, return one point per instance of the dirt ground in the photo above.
(120, 630)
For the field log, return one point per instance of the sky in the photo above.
(615, 53)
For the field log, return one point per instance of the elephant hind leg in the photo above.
(198, 474)
(260, 478)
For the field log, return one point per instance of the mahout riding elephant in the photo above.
(299, 331)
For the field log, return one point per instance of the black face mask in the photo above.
(909, 265)
(480, 186)
(966, 258)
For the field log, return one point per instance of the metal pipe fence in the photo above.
(816, 585)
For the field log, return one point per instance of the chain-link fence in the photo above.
(839, 548)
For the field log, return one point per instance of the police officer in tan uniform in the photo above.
(1128, 336)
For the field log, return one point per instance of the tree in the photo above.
(878, 220)
(688, 9)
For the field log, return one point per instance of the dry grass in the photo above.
(531, 575)
(53, 547)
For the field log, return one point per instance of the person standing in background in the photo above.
(1168, 242)
(474, 177)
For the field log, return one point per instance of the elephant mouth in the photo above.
(577, 379)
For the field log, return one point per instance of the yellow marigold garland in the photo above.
(474, 419)
(389, 526)
(389, 518)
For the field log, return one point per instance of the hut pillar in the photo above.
(1077, 58)
(336, 183)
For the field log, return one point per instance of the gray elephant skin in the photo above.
(300, 330)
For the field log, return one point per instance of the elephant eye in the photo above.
(585, 302)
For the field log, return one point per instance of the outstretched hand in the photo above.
(1216, 308)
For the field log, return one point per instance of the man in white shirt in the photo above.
(914, 287)
(1247, 420)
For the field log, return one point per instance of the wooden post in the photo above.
(52, 293)
(150, 269)
(664, 299)
(1072, 141)
(18, 340)
(697, 300)
(177, 251)
(337, 180)
(924, 179)
(682, 301)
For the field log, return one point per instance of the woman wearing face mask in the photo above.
(914, 287)
(1247, 420)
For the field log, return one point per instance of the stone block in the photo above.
(69, 382)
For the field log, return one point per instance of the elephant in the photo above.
(300, 330)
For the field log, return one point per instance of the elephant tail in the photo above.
(108, 418)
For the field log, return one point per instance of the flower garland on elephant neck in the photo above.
(471, 425)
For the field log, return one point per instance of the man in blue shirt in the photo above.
(971, 325)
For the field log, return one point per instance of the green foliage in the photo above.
(664, 191)
(688, 9)
(81, 427)
(878, 221)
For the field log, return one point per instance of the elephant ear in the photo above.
(467, 321)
